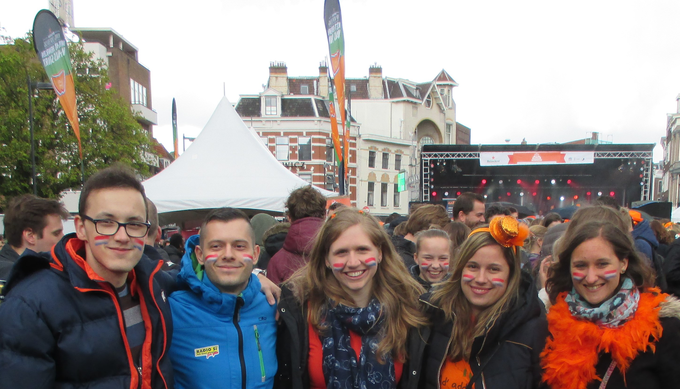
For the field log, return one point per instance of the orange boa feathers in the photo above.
(571, 353)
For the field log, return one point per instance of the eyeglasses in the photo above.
(109, 227)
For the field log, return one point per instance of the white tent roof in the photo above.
(675, 216)
(226, 166)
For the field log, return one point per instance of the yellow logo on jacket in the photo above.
(207, 352)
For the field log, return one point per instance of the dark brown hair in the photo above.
(29, 212)
(466, 202)
(117, 176)
(621, 242)
(306, 202)
(422, 218)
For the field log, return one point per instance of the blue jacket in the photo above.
(217, 334)
(62, 328)
(645, 240)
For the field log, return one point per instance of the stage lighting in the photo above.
(521, 193)
(548, 198)
(509, 194)
(519, 181)
(575, 197)
(457, 193)
(612, 194)
(446, 193)
(552, 181)
(500, 182)
(434, 194)
(533, 194)
(599, 193)
(484, 181)
(587, 193)
(485, 196)
(537, 182)
(569, 182)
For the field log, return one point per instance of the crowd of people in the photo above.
(335, 298)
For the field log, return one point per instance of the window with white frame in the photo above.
(330, 153)
(304, 148)
(397, 162)
(282, 148)
(265, 141)
(304, 89)
(306, 176)
(371, 159)
(137, 93)
(383, 194)
(449, 130)
(385, 160)
(396, 195)
(371, 194)
(353, 88)
(445, 97)
(270, 105)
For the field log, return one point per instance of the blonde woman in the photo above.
(488, 326)
(350, 318)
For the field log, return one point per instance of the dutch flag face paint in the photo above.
(609, 274)
(498, 282)
(445, 266)
(211, 258)
(371, 262)
(425, 265)
(248, 258)
(578, 276)
(139, 244)
(101, 240)
(468, 277)
(338, 266)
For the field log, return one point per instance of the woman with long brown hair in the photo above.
(609, 328)
(350, 318)
(488, 326)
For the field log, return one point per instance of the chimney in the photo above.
(595, 136)
(323, 79)
(278, 77)
(375, 84)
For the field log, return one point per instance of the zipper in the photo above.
(239, 304)
(160, 314)
(259, 353)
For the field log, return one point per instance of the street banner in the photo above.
(334, 127)
(336, 47)
(536, 158)
(174, 128)
(52, 49)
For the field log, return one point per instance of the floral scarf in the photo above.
(342, 368)
(613, 312)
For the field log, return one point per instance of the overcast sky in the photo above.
(546, 71)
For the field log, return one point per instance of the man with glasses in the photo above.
(93, 312)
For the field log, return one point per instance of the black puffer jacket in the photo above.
(61, 329)
(406, 249)
(508, 353)
(292, 348)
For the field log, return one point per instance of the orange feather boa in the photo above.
(571, 353)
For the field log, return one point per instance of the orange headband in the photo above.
(506, 230)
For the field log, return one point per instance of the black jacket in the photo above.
(7, 258)
(405, 248)
(60, 328)
(508, 353)
(174, 253)
(292, 348)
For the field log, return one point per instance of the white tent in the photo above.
(226, 166)
(675, 216)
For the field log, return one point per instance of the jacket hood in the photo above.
(192, 277)
(644, 231)
(403, 245)
(527, 307)
(301, 234)
(274, 243)
(261, 223)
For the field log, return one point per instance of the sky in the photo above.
(545, 71)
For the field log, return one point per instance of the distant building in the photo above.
(129, 78)
(671, 158)
(394, 117)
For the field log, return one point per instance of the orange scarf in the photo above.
(571, 353)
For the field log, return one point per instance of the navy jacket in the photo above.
(219, 339)
(645, 240)
(61, 328)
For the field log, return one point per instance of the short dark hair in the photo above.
(466, 202)
(551, 218)
(607, 201)
(621, 242)
(495, 209)
(116, 176)
(335, 206)
(176, 240)
(306, 202)
(29, 212)
(512, 210)
(225, 215)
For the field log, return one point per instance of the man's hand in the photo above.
(270, 289)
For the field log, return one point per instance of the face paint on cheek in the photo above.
(100, 240)
(445, 266)
(139, 244)
(498, 282)
(468, 277)
(247, 258)
(609, 274)
(338, 266)
(211, 258)
(371, 262)
(578, 276)
(425, 265)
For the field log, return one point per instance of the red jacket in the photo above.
(295, 249)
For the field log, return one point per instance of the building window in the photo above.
(397, 162)
(385, 160)
(383, 194)
(371, 159)
(304, 148)
(445, 97)
(265, 141)
(306, 176)
(353, 88)
(282, 148)
(304, 89)
(330, 182)
(449, 129)
(137, 93)
(270, 105)
(396, 195)
(371, 189)
(330, 153)
(428, 101)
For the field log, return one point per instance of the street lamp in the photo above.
(31, 86)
